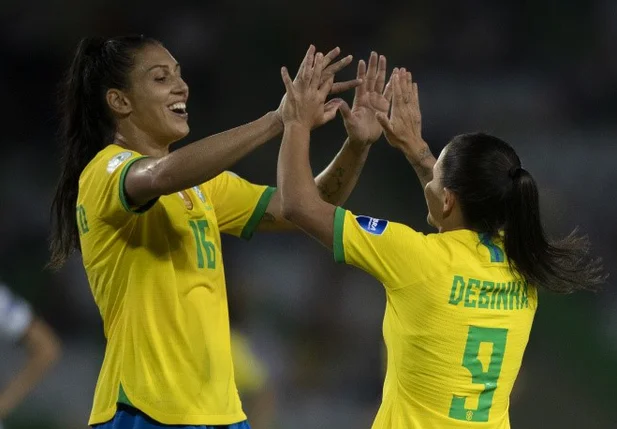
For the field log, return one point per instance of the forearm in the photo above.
(295, 178)
(338, 179)
(208, 157)
(422, 161)
(21, 385)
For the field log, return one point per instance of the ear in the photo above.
(449, 202)
(118, 102)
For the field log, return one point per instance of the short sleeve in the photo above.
(389, 251)
(101, 185)
(239, 205)
(15, 315)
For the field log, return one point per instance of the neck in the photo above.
(133, 138)
(451, 228)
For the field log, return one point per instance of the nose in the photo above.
(181, 87)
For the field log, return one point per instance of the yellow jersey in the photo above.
(456, 323)
(156, 274)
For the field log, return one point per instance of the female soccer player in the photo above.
(148, 225)
(460, 303)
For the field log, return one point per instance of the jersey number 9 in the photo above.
(478, 335)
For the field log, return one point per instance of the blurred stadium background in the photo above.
(540, 74)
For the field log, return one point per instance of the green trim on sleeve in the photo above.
(337, 241)
(258, 213)
(123, 200)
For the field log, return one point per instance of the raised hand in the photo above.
(370, 98)
(403, 129)
(329, 71)
(304, 101)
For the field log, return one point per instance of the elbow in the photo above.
(50, 353)
(290, 209)
(288, 212)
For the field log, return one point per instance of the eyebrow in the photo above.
(164, 66)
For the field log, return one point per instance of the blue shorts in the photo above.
(131, 418)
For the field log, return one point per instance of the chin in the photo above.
(178, 133)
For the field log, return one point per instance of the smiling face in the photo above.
(155, 102)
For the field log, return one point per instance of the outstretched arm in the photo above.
(194, 164)
(300, 200)
(338, 180)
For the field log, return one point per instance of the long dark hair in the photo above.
(497, 194)
(87, 125)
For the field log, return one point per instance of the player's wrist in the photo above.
(275, 121)
(357, 146)
(297, 126)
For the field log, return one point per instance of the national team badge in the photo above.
(117, 160)
(372, 225)
(199, 194)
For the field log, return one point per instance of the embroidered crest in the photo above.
(199, 194)
(117, 160)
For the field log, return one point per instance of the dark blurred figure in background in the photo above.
(18, 324)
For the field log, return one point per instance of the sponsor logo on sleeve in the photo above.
(117, 160)
(372, 225)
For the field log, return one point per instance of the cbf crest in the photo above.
(117, 160)
(199, 194)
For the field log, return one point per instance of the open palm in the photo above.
(370, 98)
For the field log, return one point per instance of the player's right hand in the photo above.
(304, 101)
(403, 129)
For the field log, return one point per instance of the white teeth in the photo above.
(178, 106)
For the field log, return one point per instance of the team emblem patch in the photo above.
(117, 160)
(199, 194)
(372, 225)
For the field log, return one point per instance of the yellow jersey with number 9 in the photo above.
(456, 324)
(156, 273)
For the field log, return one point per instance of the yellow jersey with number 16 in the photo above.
(156, 273)
(456, 322)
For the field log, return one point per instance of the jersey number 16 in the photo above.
(199, 228)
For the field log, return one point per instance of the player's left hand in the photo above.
(330, 69)
(370, 99)
(304, 101)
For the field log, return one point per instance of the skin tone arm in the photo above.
(43, 349)
(300, 199)
(337, 181)
(196, 163)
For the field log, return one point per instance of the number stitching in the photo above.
(476, 336)
(202, 243)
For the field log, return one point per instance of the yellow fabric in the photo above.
(250, 372)
(449, 310)
(157, 278)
